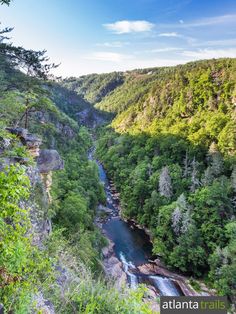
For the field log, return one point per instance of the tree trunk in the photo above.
(27, 113)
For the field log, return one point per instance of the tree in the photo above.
(7, 2)
(195, 183)
(165, 185)
(223, 264)
(73, 212)
(154, 198)
(181, 216)
(176, 220)
(36, 67)
(207, 178)
(233, 179)
(186, 221)
(216, 160)
(189, 255)
(187, 168)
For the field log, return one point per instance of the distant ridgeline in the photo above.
(172, 155)
(180, 100)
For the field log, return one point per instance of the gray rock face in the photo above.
(42, 305)
(29, 140)
(112, 266)
(7, 161)
(4, 143)
(1, 309)
(19, 132)
(41, 179)
(66, 130)
(26, 138)
(49, 160)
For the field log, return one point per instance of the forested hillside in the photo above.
(94, 87)
(171, 154)
(170, 150)
(180, 100)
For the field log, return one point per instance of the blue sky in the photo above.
(88, 36)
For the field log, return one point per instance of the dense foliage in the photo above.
(77, 193)
(171, 154)
(22, 266)
(94, 87)
(31, 271)
(174, 164)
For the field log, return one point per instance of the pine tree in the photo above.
(7, 2)
(207, 177)
(233, 180)
(154, 197)
(216, 160)
(181, 216)
(186, 221)
(186, 166)
(165, 185)
(176, 220)
(195, 183)
(36, 67)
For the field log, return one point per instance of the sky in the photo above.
(97, 36)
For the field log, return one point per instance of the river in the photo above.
(132, 245)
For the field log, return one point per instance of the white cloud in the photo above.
(222, 19)
(210, 53)
(124, 27)
(107, 56)
(114, 44)
(166, 49)
(172, 34)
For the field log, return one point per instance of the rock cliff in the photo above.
(39, 165)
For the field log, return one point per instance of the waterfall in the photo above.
(165, 286)
(133, 280)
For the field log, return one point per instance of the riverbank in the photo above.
(153, 267)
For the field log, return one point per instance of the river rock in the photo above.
(181, 280)
(113, 269)
(104, 209)
(112, 266)
(108, 251)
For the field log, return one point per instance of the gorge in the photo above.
(165, 138)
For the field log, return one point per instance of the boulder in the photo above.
(105, 209)
(112, 266)
(49, 160)
(108, 250)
